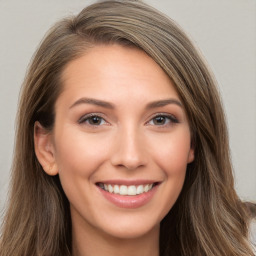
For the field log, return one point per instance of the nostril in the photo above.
(129, 150)
(130, 167)
(129, 162)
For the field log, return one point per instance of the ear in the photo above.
(191, 155)
(44, 149)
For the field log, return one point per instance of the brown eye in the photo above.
(92, 120)
(159, 120)
(163, 120)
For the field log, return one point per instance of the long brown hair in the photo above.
(208, 217)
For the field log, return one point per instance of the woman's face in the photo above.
(121, 142)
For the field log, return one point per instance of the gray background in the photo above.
(224, 30)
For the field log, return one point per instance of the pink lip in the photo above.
(129, 201)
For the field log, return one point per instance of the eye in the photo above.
(163, 120)
(92, 119)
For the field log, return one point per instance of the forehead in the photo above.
(117, 69)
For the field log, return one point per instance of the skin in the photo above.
(127, 143)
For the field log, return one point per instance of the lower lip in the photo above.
(129, 201)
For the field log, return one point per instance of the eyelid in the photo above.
(173, 118)
(86, 116)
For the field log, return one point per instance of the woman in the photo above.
(121, 144)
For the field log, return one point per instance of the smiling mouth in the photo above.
(124, 190)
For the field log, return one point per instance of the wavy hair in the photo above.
(207, 219)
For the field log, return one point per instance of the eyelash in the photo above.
(171, 118)
(89, 117)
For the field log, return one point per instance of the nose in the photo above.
(130, 150)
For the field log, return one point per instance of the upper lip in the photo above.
(129, 182)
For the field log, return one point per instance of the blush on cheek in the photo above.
(80, 150)
(173, 160)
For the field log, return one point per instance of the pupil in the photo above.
(160, 120)
(95, 120)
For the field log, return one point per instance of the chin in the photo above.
(132, 232)
(130, 226)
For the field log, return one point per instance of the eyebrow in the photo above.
(105, 104)
(162, 103)
(91, 101)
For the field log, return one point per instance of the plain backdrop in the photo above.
(224, 30)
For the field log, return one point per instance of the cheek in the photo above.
(172, 158)
(78, 153)
(79, 156)
(173, 153)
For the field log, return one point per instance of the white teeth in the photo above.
(139, 189)
(126, 190)
(123, 190)
(116, 189)
(131, 191)
(110, 188)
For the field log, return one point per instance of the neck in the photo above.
(92, 242)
